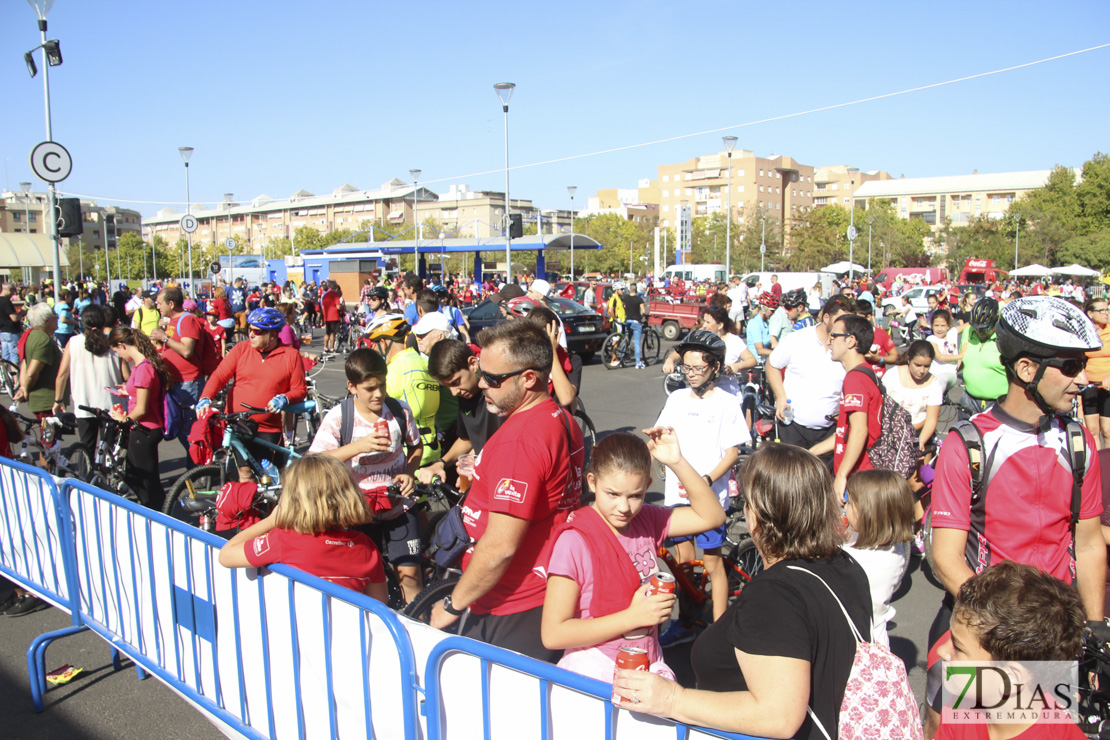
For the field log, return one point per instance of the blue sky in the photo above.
(276, 96)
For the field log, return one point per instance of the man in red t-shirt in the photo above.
(178, 332)
(331, 308)
(859, 419)
(776, 287)
(527, 479)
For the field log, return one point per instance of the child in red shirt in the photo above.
(219, 334)
(310, 529)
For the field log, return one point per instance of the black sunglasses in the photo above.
(1069, 367)
(494, 380)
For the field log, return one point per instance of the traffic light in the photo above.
(67, 215)
(516, 226)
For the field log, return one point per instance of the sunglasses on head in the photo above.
(1069, 367)
(494, 380)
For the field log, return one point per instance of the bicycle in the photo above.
(9, 378)
(618, 350)
(105, 469)
(195, 492)
(46, 435)
(314, 416)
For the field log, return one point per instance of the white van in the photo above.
(791, 280)
(696, 273)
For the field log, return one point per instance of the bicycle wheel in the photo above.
(79, 463)
(420, 608)
(748, 561)
(203, 479)
(9, 378)
(613, 351)
(589, 432)
(650, 345)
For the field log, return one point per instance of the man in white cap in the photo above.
(539, 290)
(431, 328)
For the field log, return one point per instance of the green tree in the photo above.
(1093, 195)
(1049, 217)
(817, 238)
(1091, 250)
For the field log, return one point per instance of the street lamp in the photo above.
(51, 57)
(852, 172)
(763, 239)
(870, 223)
(1017, 237)
(415, 175)
(504, 92)
(187, 152)
(572, 189)
(26, 187)
(730, 143)
(228, 197)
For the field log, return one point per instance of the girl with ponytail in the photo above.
(145, 388)
(89, 369)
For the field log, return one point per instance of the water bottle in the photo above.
(269, 469)
(788, 413)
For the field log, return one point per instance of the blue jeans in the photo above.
(8, 346)
(187, 393)
(637, 332)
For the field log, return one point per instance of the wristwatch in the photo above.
(450, 608)
(708, 480)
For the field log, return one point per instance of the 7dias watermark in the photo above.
(1009, 692)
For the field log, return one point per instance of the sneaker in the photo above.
(676, 634)
(26, 604)
(9, 602)
(919, 543)
(640, 366)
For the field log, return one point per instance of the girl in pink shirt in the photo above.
(145, 386)
(597, 587)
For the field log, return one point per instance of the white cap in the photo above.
(430, 322)
(540, 286)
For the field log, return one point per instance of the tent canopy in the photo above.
(840, 268)
(28, 250)
(1033, 270)
(1075, 271)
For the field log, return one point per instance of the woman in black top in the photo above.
(783, 646)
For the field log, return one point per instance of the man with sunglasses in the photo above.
(1039, 499)
(527, 479)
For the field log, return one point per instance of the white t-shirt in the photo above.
(375, 469)
(884, 568)
(739, 298)
(734, 348)
(914, 398)
(89, 375)
(945, 371)
(813, 381)
(706, 427)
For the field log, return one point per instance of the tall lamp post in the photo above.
(852, 171)
(187, 152)
(730, 144)
(26, 188)
(504, 92)
(572, 189)
(1017, 238)
(51, 57)
(870, 223)
(228, 198)
(763, 240)
(415, 175)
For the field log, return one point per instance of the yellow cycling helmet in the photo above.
(391, 326)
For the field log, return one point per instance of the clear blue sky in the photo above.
(276, 96)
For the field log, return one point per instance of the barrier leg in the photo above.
(116, 662)
(141, 673)
(36, 661)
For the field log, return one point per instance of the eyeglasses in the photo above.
(494, 380)
(255, 332)
(1100, 310)
(694, 369)
(834, 334)
(1069, 367)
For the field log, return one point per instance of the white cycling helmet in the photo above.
(619, 285)
(1044, 326)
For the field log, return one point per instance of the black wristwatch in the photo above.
(708, 480)
(450, 608)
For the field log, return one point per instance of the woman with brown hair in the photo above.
(782, 648)
(145, 387)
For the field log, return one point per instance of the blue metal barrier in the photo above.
(151, 587)
(548, 677)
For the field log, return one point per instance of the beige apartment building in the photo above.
(834, 184)
(264, 219)
(101, 225)
(958, 198)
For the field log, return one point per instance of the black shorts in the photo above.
(331, 327)
(398, 538)
(1096, 401)
(519, 632)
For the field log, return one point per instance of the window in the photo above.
(666, 193)
(666, 178)
(761, 173)
(761, 188)
(739, 188)
(96, 234)
(740, 173)
(666, 208)
(17, 216)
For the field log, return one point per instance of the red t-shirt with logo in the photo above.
(531, 469)
(860, 394)
(329, 304)
(343, 556)
(181, 368)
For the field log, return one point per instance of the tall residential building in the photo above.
(835, 183)
(101, 225)
(957, 198)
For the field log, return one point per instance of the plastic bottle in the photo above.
(268, 468)
(788, 413)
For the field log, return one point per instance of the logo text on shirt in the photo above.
(512, 490)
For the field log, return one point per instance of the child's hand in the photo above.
(663, 445)
(405, 481)
(375, 442)
(650, 611)
(553, 336)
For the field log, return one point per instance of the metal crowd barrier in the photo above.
(276, 653)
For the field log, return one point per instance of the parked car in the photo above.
(585, 328)
(919, 298)
(602, 293)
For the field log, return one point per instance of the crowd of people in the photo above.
(1014, 496)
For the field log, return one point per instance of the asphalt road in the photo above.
(103, 703)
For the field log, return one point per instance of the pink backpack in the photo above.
(878, 701)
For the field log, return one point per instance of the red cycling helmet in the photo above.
(521, 307)
(769, 299)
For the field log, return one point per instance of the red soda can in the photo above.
(661, 583)
(118, 408)
(381, 427)
(630, 658)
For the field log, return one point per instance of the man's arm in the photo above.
(492, 556)
(853, 449)
(1090, 566)
(948, 558)
(774, 379)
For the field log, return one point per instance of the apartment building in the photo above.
(21, 213)
(264, 219)
(957, 198)
(836, 183)
(101, 225)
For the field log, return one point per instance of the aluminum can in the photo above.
(630, 658)
(661, 583)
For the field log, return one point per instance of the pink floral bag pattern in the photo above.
(878, 702)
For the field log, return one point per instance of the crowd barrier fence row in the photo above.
(276, 653)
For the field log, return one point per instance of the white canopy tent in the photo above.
(1033, 270)
(839, 268)
(1075, 271)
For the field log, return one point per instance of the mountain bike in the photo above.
(193, 496)
(9, 378)
(45, 437)
(619, 351)
(105, 469)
